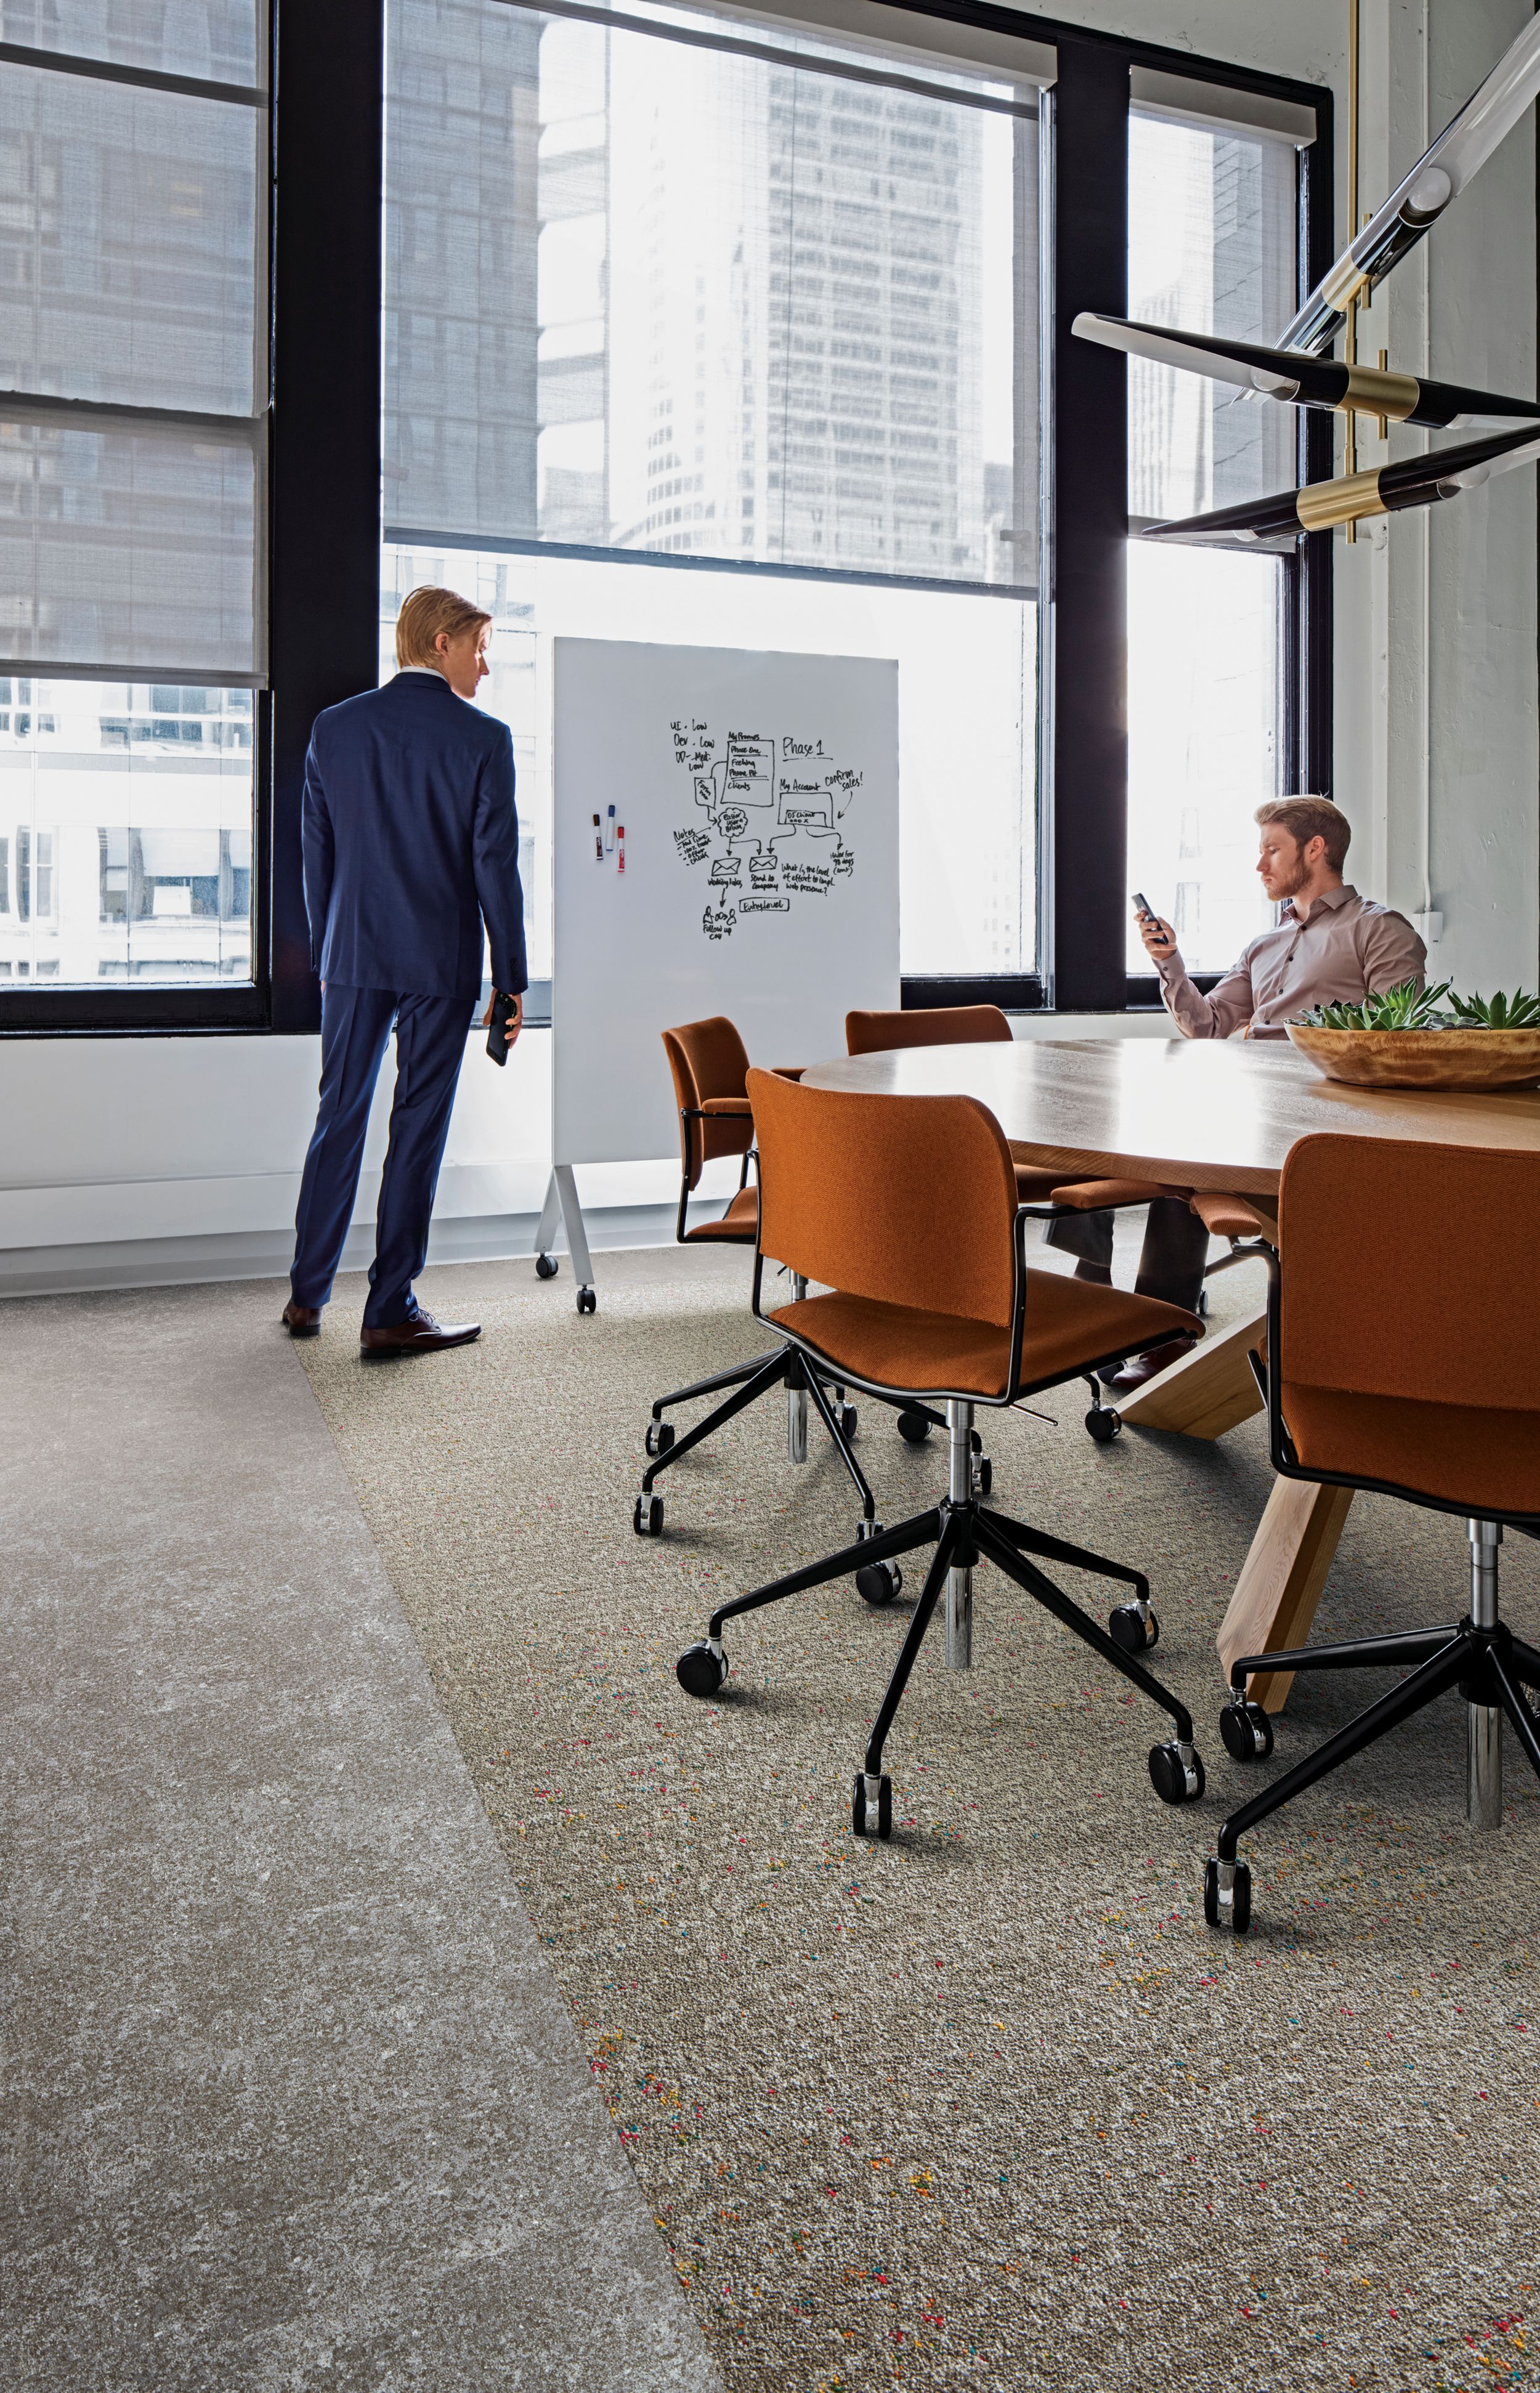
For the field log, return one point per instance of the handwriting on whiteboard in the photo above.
(767, 811)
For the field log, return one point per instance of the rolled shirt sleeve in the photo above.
(1228, 1007)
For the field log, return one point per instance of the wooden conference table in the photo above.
(1219, 1114)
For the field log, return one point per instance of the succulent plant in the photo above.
(1520, 1012)
(1405, 1008)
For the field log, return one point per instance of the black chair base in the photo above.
(1487, 1665)
(965, 1531)
(745, 1384)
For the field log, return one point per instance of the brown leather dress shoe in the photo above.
(1139, 1367)
(301, 1320)
(421, 1335)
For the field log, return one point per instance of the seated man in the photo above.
(1330, 944)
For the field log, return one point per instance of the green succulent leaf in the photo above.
(1520, 1012)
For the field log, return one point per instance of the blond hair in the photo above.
(1308, 818)
(425, 613)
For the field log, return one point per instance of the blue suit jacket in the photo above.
(411, 844)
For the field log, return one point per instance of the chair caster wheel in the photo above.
(847, 1418)
(913, 1428)
(1104, 1421)
(871, 1805)
(700, 1669)
(587, 1300)
(546, 1266)
(1246, 1731)
(647, 1519)
(1133, 1630)
(1227, 1905)
(878, 1583)
(660, 1437)
(1175, 1777)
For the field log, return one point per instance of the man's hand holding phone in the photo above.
(1160, 940)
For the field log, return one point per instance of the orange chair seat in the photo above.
(738, 1226)
(1482, 1459)
(1069, 1326)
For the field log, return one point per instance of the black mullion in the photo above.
(1091, 744)
(328, 122)
(1314, 572)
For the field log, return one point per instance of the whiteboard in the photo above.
(759, 796)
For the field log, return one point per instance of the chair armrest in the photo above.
(726, 1109)
(1100, 1196)
(1224, 1216)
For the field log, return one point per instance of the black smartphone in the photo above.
(1143, 905)
(497, 1029)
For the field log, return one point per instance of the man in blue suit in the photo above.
(410, 845)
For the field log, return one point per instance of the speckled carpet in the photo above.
(989, 2105)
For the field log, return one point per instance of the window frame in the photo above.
(325, 518)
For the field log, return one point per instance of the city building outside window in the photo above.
(132, 462)
(661, 296)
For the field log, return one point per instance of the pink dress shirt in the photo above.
(1350, 947)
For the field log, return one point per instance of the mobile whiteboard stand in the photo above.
(561, 1198)
(755, 876)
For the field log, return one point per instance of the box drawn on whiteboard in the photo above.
(774, 804)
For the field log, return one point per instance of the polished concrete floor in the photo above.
(291, 2099)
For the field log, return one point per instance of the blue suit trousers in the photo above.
(430, 1046)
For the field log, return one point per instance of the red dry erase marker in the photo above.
(620, 847)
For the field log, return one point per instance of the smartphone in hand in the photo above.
(497, 1029)
(1141, 905)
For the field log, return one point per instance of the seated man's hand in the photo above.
(515, 1023)
(1160, 940)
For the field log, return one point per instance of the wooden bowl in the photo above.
(1423, 1059)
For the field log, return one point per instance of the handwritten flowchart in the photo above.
(767, 827)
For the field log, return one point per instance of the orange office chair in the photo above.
(709, 1066)
(971, 1025)
(1404, 1362)
(904, 1208)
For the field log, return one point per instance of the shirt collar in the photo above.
(423, 673)
(1327, 903)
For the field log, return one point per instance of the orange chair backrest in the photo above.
(930, 1026)
(911, 1200)
(1411, 1270)
(708, 1059)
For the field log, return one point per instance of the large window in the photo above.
(754, 308)
(1213, 247)
(133, 396)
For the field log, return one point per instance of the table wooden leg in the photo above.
(1207, 1391)
(1281, 1580)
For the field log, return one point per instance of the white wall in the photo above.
(133, 1160)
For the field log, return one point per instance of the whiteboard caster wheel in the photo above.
(660, 1437)
(1176, 1772)
(546, 1266)
(1246, 1731)
(1201, 1308)
(647, 1519)
(587, 1300)
(700, 1669)
(1103, 1422)
(913, 1428)
(1227, 1896)
(983, 1474)
(1133, 1628)
(847, 1418)
(871, 1805)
